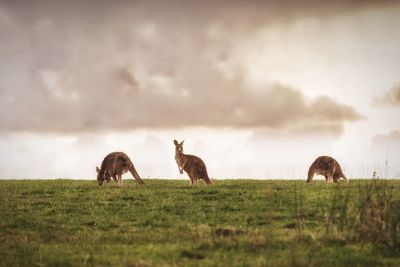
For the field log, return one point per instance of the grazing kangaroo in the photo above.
(328, 167)
(192, 165)
(114, 165)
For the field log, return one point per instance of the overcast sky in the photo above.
(257, 89)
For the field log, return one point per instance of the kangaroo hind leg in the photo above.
(193, 177)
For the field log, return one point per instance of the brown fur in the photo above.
(114, 165)
(192, 165)
(328, 167)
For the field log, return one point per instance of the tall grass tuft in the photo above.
(337, 211)
(371, 217)
(298, 209)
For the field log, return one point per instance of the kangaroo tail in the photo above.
(207, 179)
(134, 173)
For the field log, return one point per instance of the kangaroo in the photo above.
(114, 165)
(328, 167)
(192, 165)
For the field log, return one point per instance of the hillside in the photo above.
(232, 223)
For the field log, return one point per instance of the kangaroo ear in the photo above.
(97, 169)
(182, 142)
(175, 142)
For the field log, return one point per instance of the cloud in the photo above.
(128, 106)
(392, 137)
(79, 67)
(390, 97)
(385, 150)
(387, 145)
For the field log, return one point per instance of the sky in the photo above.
(257, 89)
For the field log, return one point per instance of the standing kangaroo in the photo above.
(192, 165)
(114, 165)
(328, 167)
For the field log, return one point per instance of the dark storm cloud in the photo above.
(96, 65)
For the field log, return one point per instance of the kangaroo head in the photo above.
(102, 176)
(178, 146)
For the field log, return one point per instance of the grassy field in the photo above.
(167, 223)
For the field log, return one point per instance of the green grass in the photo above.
(167, 223)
